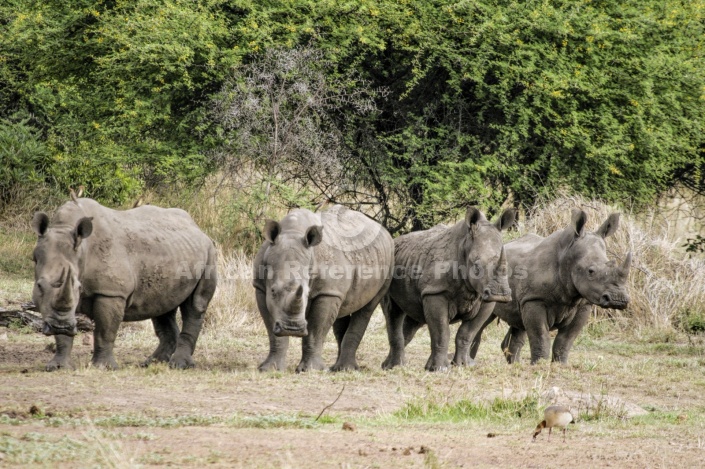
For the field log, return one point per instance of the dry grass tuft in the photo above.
(233, 306)
(667, 285)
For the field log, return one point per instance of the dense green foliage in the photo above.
(478, 101)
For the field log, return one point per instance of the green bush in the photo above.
(24, 157)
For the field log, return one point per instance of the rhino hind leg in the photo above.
(61, 360)
(167, 331)
(355, 331)
(469, 332)
(395, 319)
(512, 344)
(192, 312)
(340, 327)
(320, 317)
(411, 327)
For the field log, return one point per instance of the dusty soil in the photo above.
(225, 413)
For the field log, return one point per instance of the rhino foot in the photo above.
(345, 367)
(272, 364)
(181, 363)
(464, 361)
(391, 362)
(106, 364)
(437, 365)
(312, 364)
(55, 365)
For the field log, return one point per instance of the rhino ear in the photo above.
(271, 230)
(609, 226)
(577, 223)
(314, 236)
(473, 216)
(507, 219)
(83, 229)
(40, 223)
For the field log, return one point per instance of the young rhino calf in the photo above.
(317, 270)
(554, 282)
(444, 275)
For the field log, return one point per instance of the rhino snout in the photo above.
(69, 329)
(290, 328)
(614, 301)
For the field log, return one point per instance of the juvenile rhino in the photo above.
(442, 276)
(554, 282)
(317, 270)
(117, 266)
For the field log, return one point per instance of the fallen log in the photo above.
(26, 318)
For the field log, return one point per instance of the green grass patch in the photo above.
(499, 409)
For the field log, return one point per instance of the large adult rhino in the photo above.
(555, 281)
(317, 270)
(442, 276)
(117, 266)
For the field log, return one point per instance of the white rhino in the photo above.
(317, 270)
(116, 266)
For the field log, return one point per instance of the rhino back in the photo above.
(361, 250)
(148, 255)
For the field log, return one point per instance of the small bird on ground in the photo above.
(555, 416)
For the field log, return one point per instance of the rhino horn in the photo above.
(627, 264)
(296, 303)
(502, 258)
(64, 301)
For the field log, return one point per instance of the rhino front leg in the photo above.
(108, 314)
(566, 336)
(278, 346)
(320, 318)
(512, 344)
(468, 333)
(394, 317)
(536, 324)
(411, 327)
(435, 308)
(62, 357)
(167, 331)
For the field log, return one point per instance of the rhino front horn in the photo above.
(627, 263)
(64, 301)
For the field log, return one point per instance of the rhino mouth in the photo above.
(608, 301)
(53, 329)
(295, 329)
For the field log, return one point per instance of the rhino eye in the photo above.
(591, 271)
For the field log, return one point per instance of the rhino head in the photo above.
(56, 272)
(596, 278)
(289, 261)
(485, 260)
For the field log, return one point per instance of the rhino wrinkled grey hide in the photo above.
(554, 283)
(317, 270)
(445, 275)
(116, 266)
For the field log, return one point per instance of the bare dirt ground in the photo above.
(225, 413)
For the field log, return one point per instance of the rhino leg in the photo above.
(347, 349)
(108, 313)
(469, 333)
(475, 346)
(278, 346)
(167, 331)
(61, 359)
(320, 318)
(512, 344)
(533, 316)
(435, 309)
(394, 317)
(340, 326)
(566, 336)
(411, 327)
